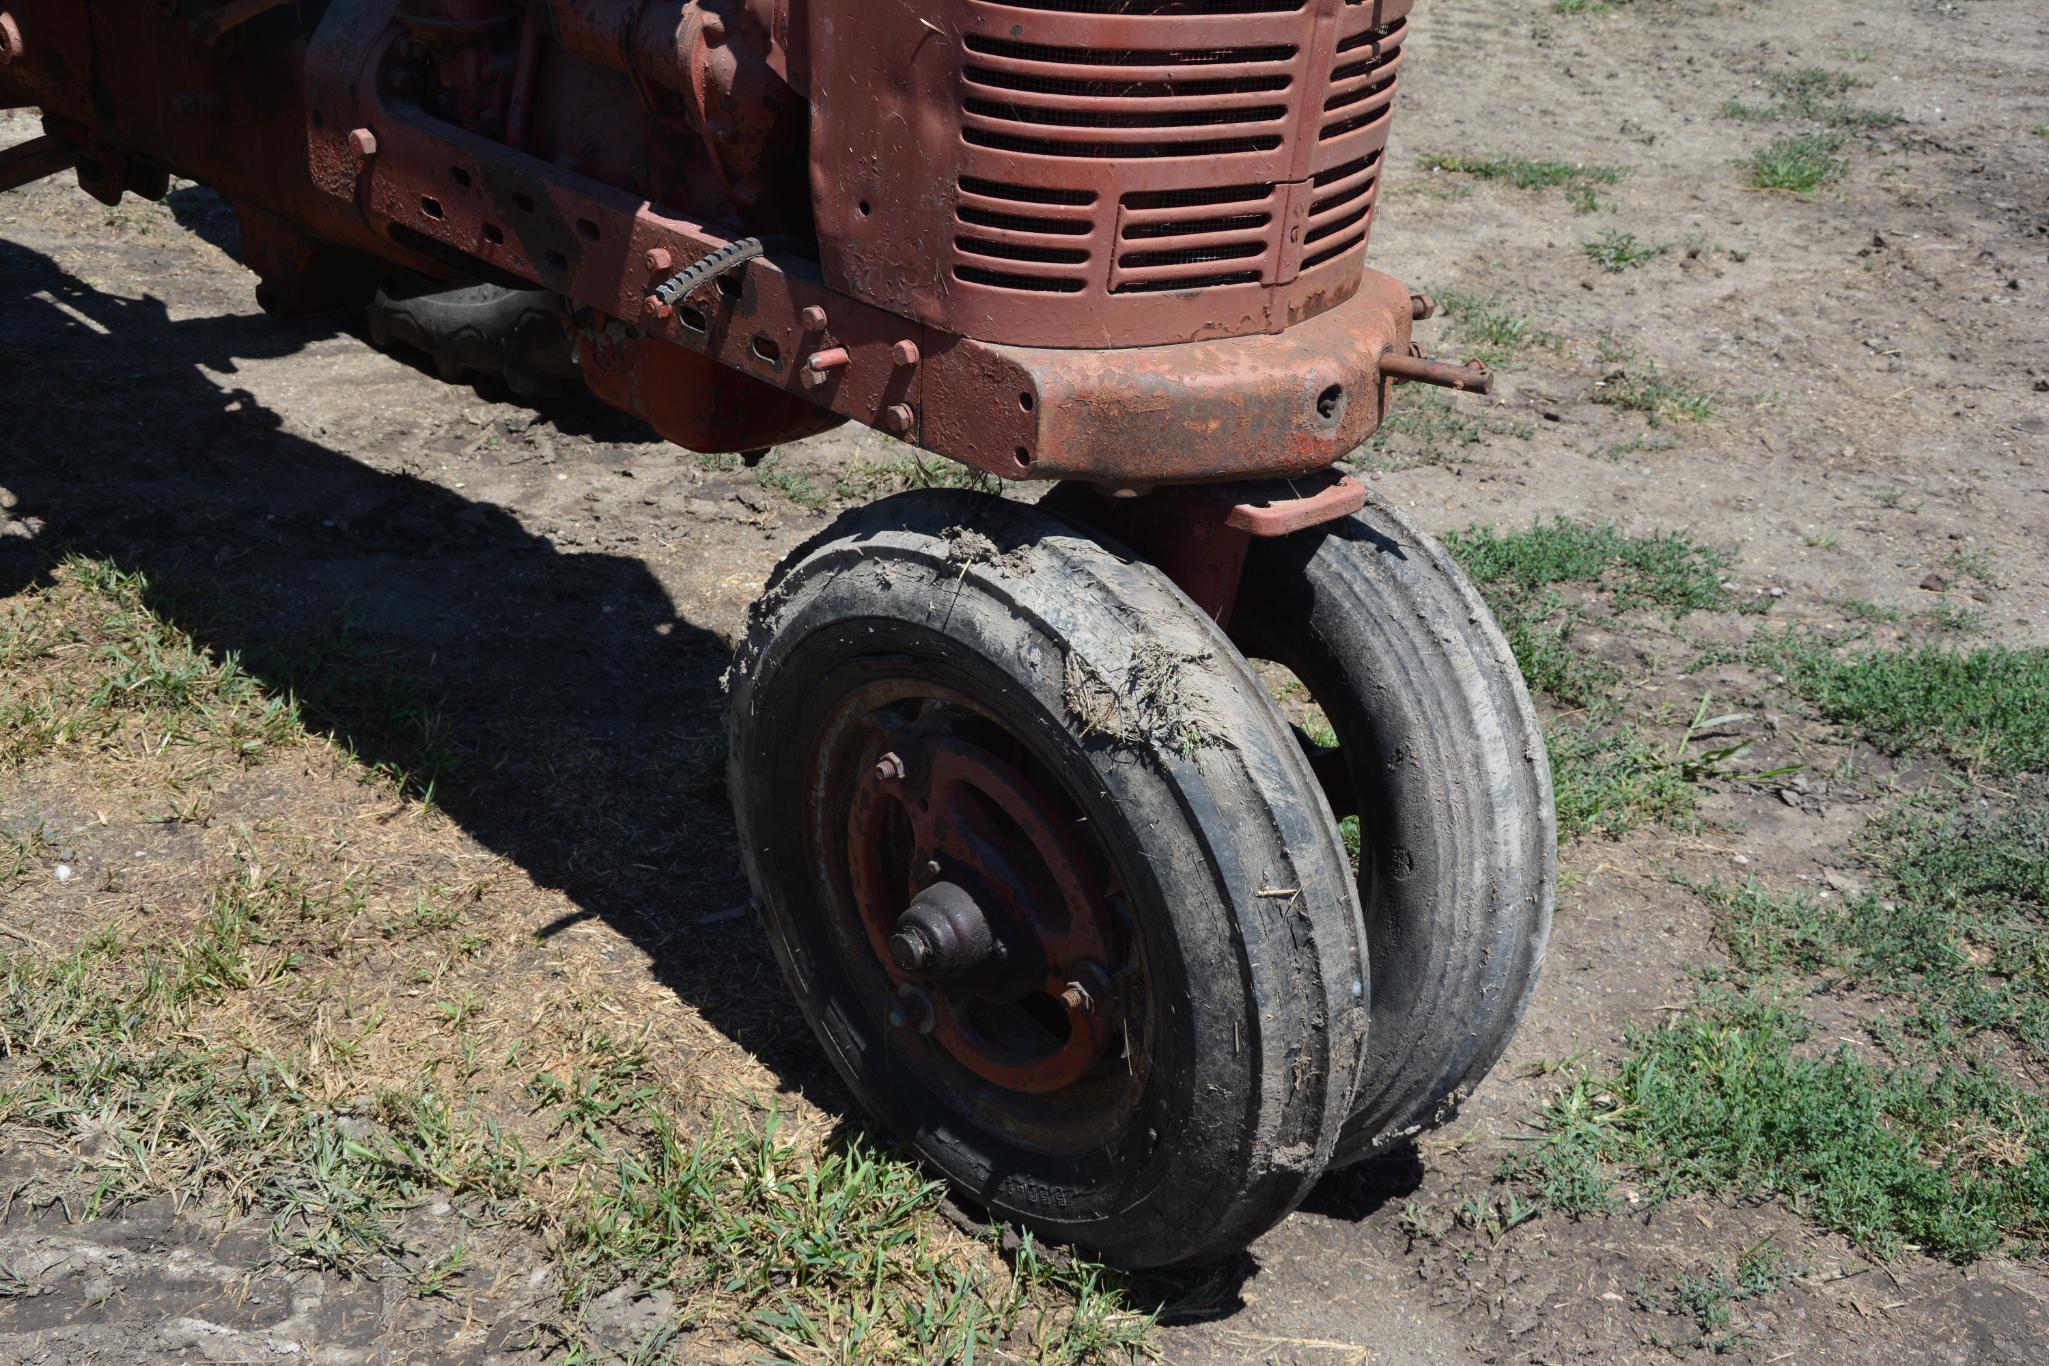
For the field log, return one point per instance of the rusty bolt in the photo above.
(659, 261)
(363, 143)
(654, 308)
(890, 768)
(813, 318)
(1088, 989)
(906, 353)
(10, 38)
(819, 368)
(898, 417)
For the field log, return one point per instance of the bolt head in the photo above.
(659, 260)
(363, 143)
(906, 353)
(910, 951)
(897, 418)
(890, 768)
(813, 318)
(654, 308)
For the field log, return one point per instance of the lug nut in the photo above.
(1087, 991)
(890, 769)
(658, 260)
(906, 353)
(897, 418)
(363, 143)
(813, 318)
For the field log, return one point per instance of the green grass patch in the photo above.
(866, 480)
(1800, 165)
(1488, 328)
(1728, 1098)
(1610, 780)
(1987, 708)
(1957, 929)
(1708, 1298)
(86, 667)
(1658, 397)
(1519, 572)
(1814, 94)
(1523, 173)
(1668, 571)
(1616, 251)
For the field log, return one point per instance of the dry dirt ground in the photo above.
(533, 612)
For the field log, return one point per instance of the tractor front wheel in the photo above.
(1051, 879)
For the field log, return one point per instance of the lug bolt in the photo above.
(363, 143)
(897, 418)
(1087, 991)
(890, 769)
(813, 318)
(906, 353)
(658, 260)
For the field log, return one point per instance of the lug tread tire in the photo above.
(513, 337)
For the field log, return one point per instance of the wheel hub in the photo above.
(977, 896)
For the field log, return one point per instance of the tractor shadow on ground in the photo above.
(565, 714)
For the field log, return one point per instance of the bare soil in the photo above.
(561, 593)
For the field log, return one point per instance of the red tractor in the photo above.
(1068, 901)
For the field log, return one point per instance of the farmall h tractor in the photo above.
(1063, 894)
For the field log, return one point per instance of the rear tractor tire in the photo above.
(481, 334)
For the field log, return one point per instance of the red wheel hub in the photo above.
(1034, 1014)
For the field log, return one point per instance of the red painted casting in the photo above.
(1112, 240)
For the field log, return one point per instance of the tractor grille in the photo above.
(1140, 171)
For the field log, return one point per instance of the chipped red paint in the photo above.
(1118, 242)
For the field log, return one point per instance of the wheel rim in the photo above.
(952, 822)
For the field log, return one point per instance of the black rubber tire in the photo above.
(1243, 897)
(1452, 784)
(482, 333)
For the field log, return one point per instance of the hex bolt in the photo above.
(897, 418)
(813, 318)
(890, 768)
(819, 368)
(363, 143)
(654, 308)
(906, 353)
(658, 260)
(10, 39)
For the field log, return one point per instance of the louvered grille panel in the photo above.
(1194, 159)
